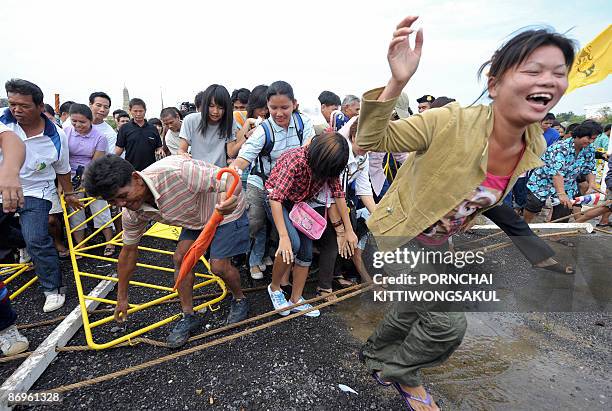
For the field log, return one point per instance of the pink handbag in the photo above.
(306, 220)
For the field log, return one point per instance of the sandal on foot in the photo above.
(558, 268)
(409, 397)
(64, 255)
(327, 293)
(109, 250)
(380, 381)
(603, 225)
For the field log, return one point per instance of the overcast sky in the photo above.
(180, 47)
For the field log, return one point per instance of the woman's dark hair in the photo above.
(328, 155)
(280, 88)
(257, 99)
(518, 48)
(221, 97)
(81, 109)
(241, 94)
(48, 109)
(104, 176)
(19, 86)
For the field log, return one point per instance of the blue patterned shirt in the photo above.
(561, 158)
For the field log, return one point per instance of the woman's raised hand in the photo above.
(403, 59)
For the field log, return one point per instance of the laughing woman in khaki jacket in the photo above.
(466, 160)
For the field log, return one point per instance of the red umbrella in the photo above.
(203, 241)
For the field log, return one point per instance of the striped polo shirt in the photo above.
(185, 194)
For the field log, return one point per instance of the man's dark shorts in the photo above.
(230, 239)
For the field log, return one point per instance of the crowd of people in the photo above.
(415, 178)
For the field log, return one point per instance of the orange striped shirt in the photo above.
(185, 193)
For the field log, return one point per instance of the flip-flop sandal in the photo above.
(409, 397)
(558, 268)
(64, 255)
(379, 381)
(109, 251)
(603, 225)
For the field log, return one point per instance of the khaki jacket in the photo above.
(450, 146)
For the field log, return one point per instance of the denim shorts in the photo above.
(230, 239)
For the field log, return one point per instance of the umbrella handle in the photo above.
(233, 172)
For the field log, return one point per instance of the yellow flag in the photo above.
(593, 63)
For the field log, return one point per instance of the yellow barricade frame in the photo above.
(11, 272)
(82, 249)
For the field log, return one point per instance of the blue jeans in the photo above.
(300, 244)
(34, 219)
(258, 248)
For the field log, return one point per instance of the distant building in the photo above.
(596, 111)
(126, 98)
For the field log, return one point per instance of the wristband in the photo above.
(337, 223)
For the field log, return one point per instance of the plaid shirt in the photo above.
(291, 179)
(185, 193)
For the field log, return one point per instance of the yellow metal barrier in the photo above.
(83, 249)
(9, 272)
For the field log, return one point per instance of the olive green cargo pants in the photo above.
(410, 336)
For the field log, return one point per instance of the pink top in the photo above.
(485, 195)
(496, 182)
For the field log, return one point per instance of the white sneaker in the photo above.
(268, 261)
(24, 257)
(278, 300)
(304, 307)
(53, 302)
(256, 273)
(12, 342)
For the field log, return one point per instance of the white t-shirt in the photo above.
(46, 155)
(172, 141)
(109, 133)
